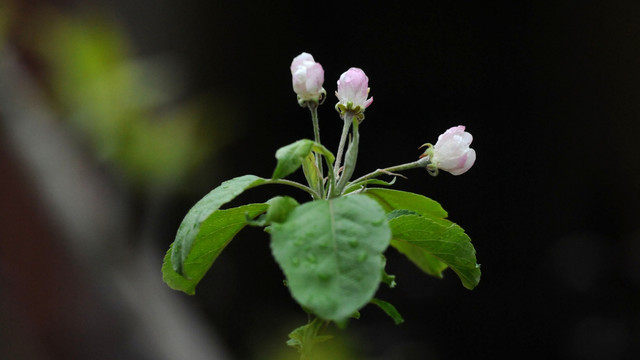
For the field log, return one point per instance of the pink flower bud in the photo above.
(452, 152)
(353, 87)
(307, 77)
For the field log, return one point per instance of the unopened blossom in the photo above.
(452, 152)
(353, 89)
(307, 77)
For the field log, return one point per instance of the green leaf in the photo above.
(190, 227)
(399, 203)
(422, 258)
(425, 261)
(215, 233)
(331, 254)
(421, 236)
(291, 157)
(389, 309)
(402, 200)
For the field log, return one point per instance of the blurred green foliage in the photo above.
(132, 112)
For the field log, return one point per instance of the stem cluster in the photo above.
(337, 180)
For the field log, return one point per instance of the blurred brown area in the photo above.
(44, 293)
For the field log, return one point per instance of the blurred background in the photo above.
(117, 116)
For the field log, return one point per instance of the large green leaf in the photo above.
(422, 258)
(401, 203)
(331, 254)
(439, 238)
(215, 233)
(403, 200)
(291, 157)
(190, 227)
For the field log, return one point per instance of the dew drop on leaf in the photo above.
(324, 276)
(311, 258)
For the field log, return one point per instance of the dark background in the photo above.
(551, 94)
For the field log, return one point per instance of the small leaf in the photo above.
(279, 208)
(331, 254)
(214, 235)
(389, 309)
(190, 227)
(291, 157)
(395, 199)
(311, 171)
(422, 237)
(390, 280)
(305, 337)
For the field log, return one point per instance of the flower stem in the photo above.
(350, 159)
(412, 165)
(313, 108)
(343, 140)
(309, 190)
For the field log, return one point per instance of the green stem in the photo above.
(412, 165)
(312, 192)
(343, 140)
(313, 108)
(350, 159)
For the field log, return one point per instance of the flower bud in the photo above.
(353, 88)
(452, 152)
(307, 77)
